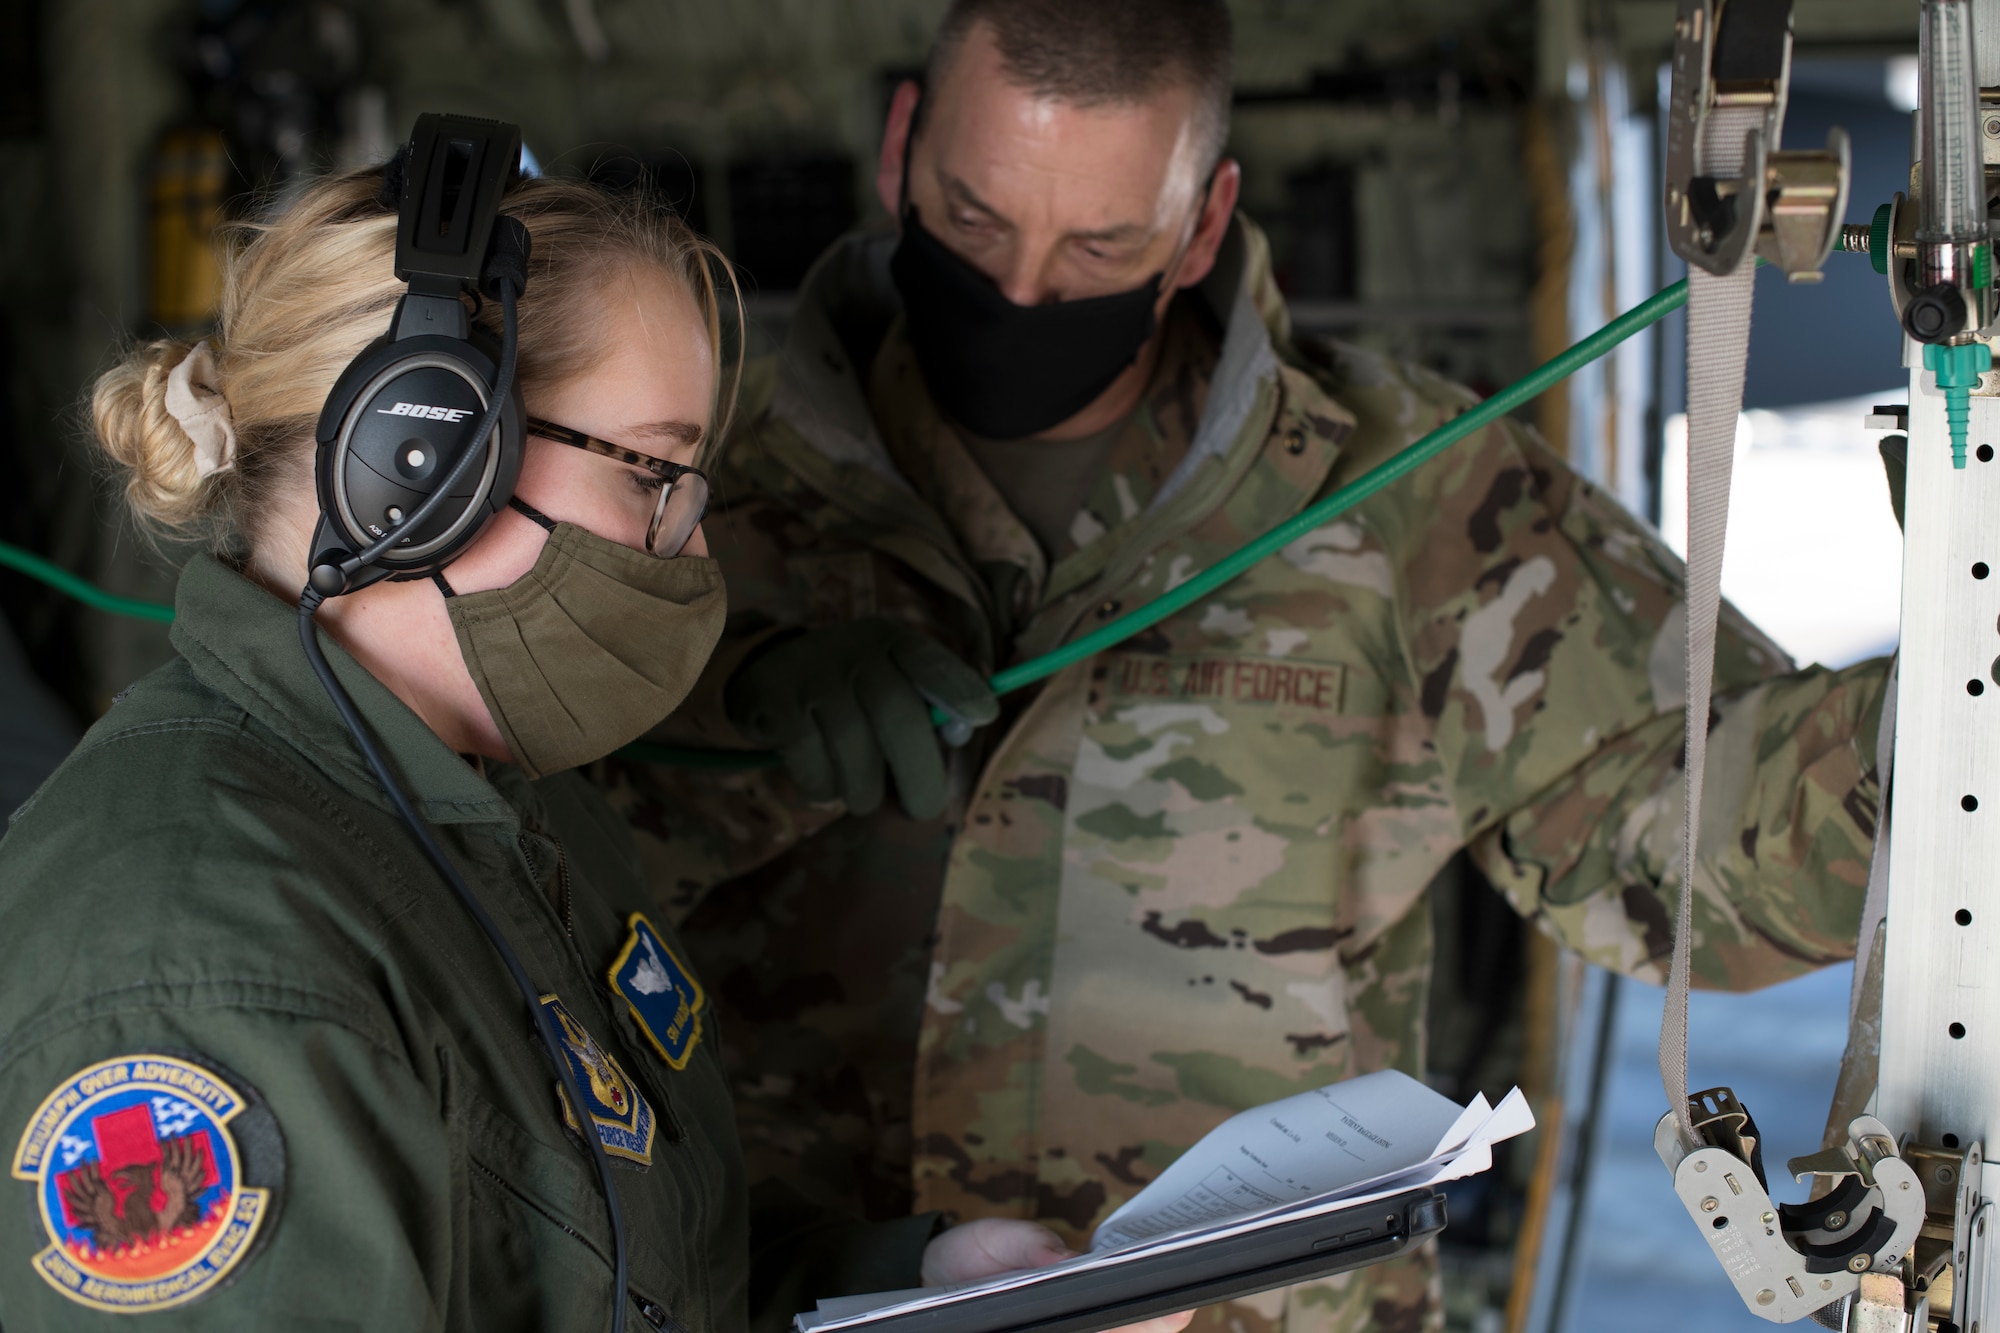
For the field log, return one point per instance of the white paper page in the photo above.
(1469, 1153)
(1510, 1118)
(1469, 1121)
(1288, 1150)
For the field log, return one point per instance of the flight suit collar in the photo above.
(244, 643)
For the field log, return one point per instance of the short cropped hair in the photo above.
(1093, 52)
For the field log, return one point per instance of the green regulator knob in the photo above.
(1878, 239)
(1958, 368)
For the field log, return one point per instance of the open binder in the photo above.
(1310, 1186)
(1090, 1300)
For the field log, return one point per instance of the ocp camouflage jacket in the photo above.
(1188, 876)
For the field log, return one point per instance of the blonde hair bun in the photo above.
(164, 481)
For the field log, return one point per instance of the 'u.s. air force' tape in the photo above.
(665, 998)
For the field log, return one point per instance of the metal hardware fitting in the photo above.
(1784, 206)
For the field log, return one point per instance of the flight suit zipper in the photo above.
(654, 1313)
(565, 897)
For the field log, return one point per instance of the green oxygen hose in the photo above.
(1109, 635)
(27, 562)
(1315, 516)
(1115, 632)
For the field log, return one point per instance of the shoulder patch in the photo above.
(147, 1196)
(624, 1119)
(666, 999)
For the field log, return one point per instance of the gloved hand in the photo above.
(839, 703)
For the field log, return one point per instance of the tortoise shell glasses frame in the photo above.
(683, 490)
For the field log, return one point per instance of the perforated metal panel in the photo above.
(1940, 1071)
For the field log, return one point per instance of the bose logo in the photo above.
(429, 413)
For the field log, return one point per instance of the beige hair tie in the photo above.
(202, 412)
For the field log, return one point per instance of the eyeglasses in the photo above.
(683, 495)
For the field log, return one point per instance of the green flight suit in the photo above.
(214, 881)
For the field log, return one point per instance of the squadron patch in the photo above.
(624, 1120)
(141, 1185)
(666, 1000)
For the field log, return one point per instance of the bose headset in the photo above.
(404, 486)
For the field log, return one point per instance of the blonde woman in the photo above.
(258, 1069)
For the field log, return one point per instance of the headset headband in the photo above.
(457, 169)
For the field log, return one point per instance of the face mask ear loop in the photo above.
(516, 503)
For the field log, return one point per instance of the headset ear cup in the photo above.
(390, 432)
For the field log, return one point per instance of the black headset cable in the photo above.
(309, 603)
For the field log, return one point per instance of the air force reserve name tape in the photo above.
(141, 1186)
(666, 1000)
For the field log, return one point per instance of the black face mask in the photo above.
(1003, 370)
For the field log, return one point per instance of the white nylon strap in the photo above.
(1718, 344)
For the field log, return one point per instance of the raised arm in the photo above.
(1545, 636)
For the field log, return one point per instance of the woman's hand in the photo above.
(990, 1245)
(1000, 1245)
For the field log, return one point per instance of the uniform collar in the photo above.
(845, 307)
(1248, 359)
(1262, 391)
(243, 643)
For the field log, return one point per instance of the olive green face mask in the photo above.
(591, 648)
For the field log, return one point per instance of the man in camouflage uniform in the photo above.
(1188, 875)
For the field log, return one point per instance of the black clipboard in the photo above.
(1090, 1301)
